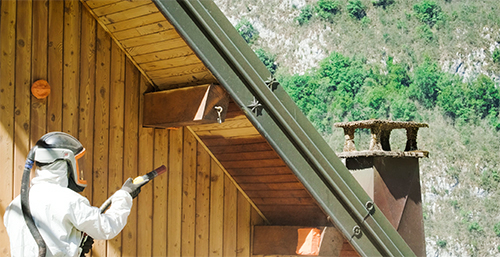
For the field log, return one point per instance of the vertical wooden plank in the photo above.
(189, 194)
(22, 90)
(71, 48)
(130, 154)
(202, 202)
(116, 119)
(39, 68)
(230, 217)
(175, 193)
(101, 127)
(7, 82)
(87, 91)
(55, 66)
(216, 210)
(244, 228)
(145, 199)
(160, 194)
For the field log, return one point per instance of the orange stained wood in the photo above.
(151, 42)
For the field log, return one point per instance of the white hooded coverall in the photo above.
(61, 215)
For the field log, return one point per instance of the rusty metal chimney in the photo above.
(391, 178)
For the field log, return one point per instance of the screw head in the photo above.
(356, 230)
(369, 205)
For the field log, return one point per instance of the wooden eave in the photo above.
(160, 53)
(266, 145)
(150, 42)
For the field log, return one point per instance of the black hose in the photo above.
(25, 205)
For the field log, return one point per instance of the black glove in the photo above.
(87, 246)
(131, 188)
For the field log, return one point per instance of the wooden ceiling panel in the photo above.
(99, 3)
(284, 201)
(249, 155)
(167, 58)
(151, 42)
(272, 186)
(156, 47)
(274, 178)
(156, 68)
(243, 148)
(137, 22)
(144, 30)
(258, 170)
(178, 70)
(137, 11)
(150, 38)
(245, 171)
(185, 80)
(118, 7)
(284, 194)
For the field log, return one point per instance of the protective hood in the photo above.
(54, 173)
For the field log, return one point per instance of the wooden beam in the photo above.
(185, 106)
(288, 240)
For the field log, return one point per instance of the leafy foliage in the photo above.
(306, 13)
(441, 243)
(496, 229)
(428, 12)
(268, 59)
(425, 84)
(383, 3)
(496, 55)
(247, 31)
(356, 9)
(345, 88)
(326, 9)
(474, 226)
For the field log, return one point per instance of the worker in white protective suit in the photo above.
(59, 212)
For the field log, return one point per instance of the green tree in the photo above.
(496, 55)
(425, 83)
(383, 3)
(428, 12)
(496, 229)
(326, 9)
(356, 9)
(247, 31)
(306, 13)
(484, 97)
(268, 59)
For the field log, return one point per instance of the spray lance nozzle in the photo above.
(139, 180)
(150, 175)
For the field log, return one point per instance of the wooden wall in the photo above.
(96, 95)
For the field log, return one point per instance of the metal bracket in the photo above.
(272, 83)
(370, 206)
(356, 231)
(256, 107)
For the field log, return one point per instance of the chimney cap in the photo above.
(386, 124)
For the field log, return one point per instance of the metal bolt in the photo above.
(356, 230)
(369, 205)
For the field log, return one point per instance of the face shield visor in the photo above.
(79, 169)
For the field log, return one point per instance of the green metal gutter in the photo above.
(285, 127)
